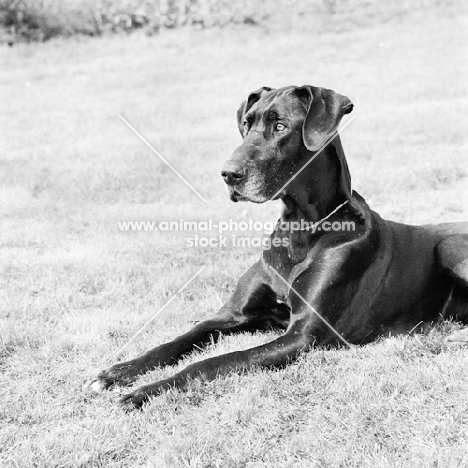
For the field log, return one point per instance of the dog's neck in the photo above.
(320, 188)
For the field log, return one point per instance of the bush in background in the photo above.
(39, 20)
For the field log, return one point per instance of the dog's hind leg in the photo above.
(452, 260)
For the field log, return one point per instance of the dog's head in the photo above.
(280, 128)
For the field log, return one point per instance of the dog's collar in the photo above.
(314, 225)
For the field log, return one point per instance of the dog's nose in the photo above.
(233, 173)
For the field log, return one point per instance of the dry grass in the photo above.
(73, 288)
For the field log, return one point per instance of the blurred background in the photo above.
(39, 20)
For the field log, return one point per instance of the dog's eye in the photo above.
(280, 127)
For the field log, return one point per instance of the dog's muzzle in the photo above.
(233, 173)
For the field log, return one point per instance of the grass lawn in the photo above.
(74, 288)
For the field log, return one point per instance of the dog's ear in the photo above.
(246, 105)
(325, 109)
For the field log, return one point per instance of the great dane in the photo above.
(322, 287)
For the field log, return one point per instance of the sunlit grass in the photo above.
(73, 288)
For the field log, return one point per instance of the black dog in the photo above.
(322, 287)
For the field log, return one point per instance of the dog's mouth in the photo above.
(252, 189)
(235, 195)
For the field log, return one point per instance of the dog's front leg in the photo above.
(125, 373)
(273, 354)
(252, 304)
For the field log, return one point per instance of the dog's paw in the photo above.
(96, 386)
(134, 400)
(140, 396)
(120, 374)
(101, 383)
